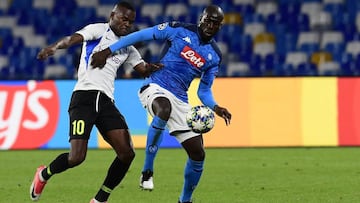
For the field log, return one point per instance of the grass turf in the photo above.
(249, 175)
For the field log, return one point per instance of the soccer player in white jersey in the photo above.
(92, 101)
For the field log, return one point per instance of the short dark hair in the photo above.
(125, 4)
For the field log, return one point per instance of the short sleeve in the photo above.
(133, 59)
(93, 31)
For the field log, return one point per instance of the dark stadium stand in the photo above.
(259, 37)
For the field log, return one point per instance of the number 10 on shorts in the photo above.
(78, 127)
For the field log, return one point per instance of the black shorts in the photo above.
(92, 107)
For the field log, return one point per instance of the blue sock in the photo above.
(154, 138)
(192, 174)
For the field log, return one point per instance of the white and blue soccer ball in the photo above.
(200, 119)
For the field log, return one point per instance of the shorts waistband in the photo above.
(143, 88)
(96, 92)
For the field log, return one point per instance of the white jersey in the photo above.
(96, 38)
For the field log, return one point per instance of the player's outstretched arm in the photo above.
(63, 43)
(98, 59)
(224, 113)
(145, 69)
(206, 97)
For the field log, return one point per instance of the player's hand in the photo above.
(46, 52)
(152, 67)
(98, 59)
(224, 113)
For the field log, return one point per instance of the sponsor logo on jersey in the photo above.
(162, 26)
(191, 56)
(29, 113)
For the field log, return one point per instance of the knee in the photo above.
(131, 155)
(164, 112)
(76, 159)
(162, 107)
(127, 157)
(197, 155)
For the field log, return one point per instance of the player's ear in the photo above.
(201, 18)
(112, 14)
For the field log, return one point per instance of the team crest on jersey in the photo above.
(193, 57)
(162, 26)
(115, 59)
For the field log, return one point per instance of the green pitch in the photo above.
(249, 175)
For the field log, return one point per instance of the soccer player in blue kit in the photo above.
(191, 52)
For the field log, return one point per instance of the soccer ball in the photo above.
(200, 119)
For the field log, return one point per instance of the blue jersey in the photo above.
(185, 57)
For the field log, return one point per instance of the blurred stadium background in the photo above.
(259, 37)
(280, 38)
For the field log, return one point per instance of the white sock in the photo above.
(95, 201)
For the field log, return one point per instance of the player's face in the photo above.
(121, 21)
(209, 25)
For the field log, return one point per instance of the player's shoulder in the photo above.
(177, 24)
(97, 26)
(105, 26)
